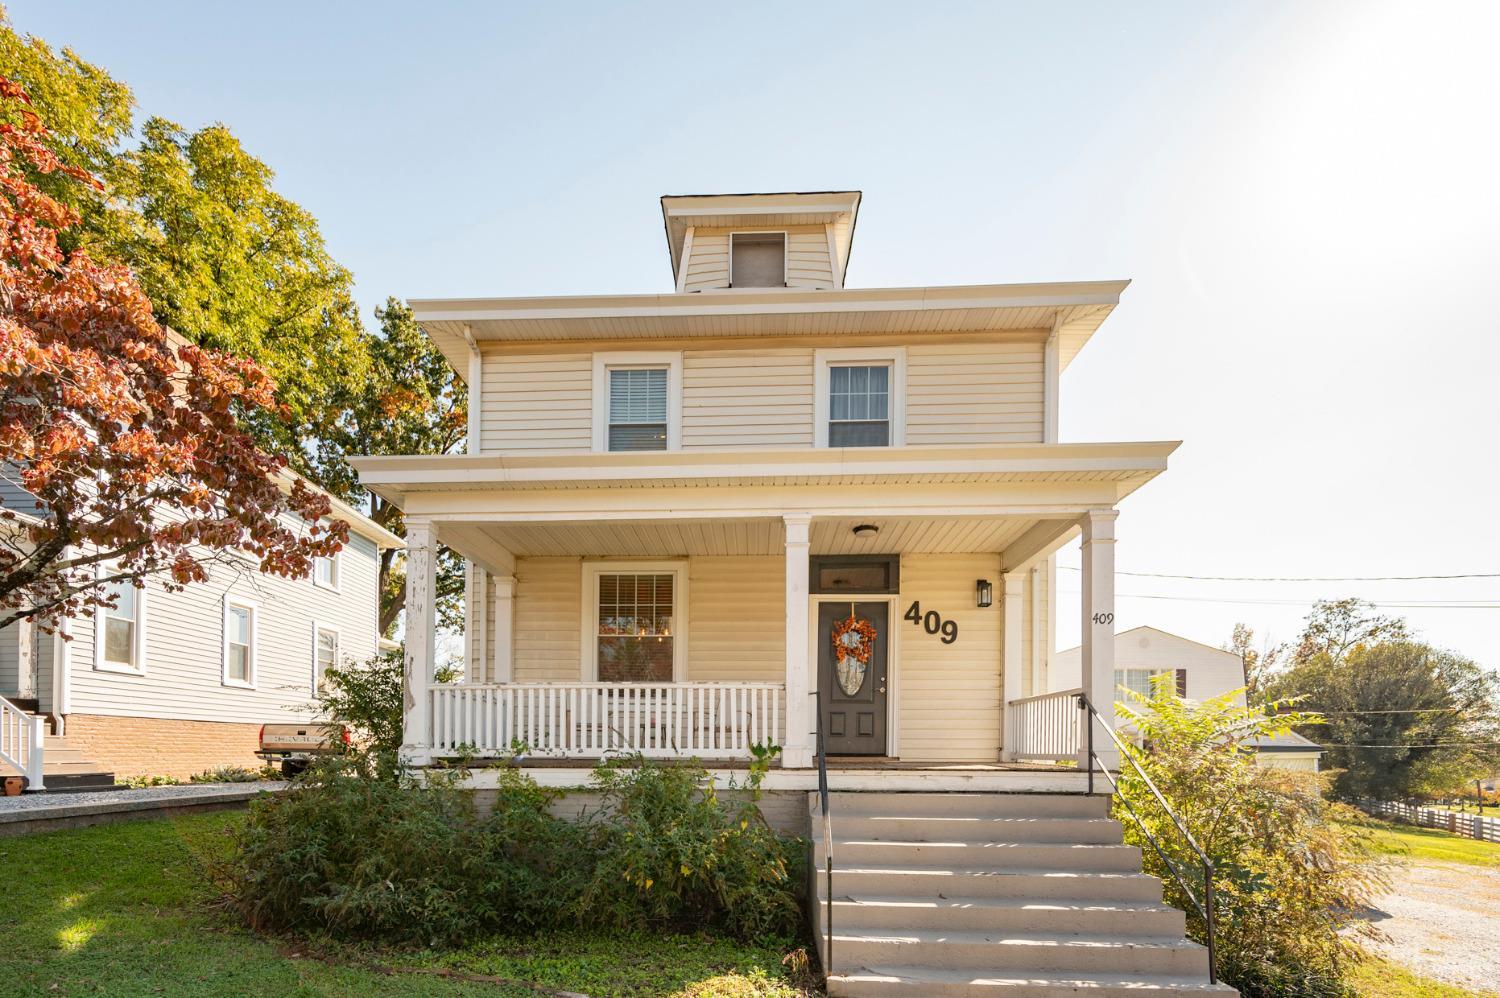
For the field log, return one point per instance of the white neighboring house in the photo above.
(1202, 672)
(175, 683)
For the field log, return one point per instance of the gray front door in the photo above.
(853, 703)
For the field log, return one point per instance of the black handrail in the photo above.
(827, 838)
(1206, 906)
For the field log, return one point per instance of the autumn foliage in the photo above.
(128, 436)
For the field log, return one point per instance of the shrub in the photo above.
(406, 859)
(1293, 871)
(235, 774)
(366, 698)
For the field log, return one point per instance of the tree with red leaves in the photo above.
(127, 436)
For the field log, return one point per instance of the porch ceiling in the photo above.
(749, 536)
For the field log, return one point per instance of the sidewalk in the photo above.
(43, 812)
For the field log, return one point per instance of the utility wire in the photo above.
(1299, 578)
(1407, 605)
(1432, 745)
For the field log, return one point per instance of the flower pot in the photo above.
(14, 785)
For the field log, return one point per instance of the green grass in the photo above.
(1382, 979)
(1421, 844)
(127, 909)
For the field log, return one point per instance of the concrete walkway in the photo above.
(45, 812)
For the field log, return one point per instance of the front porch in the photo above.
(615, 609)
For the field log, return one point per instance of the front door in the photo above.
(853, 691)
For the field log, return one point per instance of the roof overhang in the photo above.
(681, 212)
(1073, 310)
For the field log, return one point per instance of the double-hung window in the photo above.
(326, 572)
(325, 652)
(860, 397)
(119, 631)
(239, 644)
(635, 622)
(637, 401)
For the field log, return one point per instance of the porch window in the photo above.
(638, 408)
(634, 634)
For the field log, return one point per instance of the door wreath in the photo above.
(853, 644)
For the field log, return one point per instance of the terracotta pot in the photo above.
(14, 785)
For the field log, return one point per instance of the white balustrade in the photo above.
(21, 741)
(1046, 725)
(593, 720)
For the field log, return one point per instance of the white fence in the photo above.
(1045, 726)
(1473, 826)
(21, 741)
(591, 720)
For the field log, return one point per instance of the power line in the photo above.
(1243, 601)
(1431, 745)
(1299, 578)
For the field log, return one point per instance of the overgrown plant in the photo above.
(1293, 870)
(365, 697)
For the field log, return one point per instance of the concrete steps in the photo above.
(66, 768)
(989, 894)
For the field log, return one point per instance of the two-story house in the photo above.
(765, 507)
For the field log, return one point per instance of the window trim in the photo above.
(101, 664)
(338, 649)
(337, 572)
(251, 663)
(589, 648)
(786, 255)
(605, 362)
(855, 357)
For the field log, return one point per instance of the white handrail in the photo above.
(22, 741)
(592, 720)
(1046, 726)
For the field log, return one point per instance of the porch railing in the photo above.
(592, 720)
(1045, 726)
(21, 742)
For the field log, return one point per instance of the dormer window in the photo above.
(757, 260)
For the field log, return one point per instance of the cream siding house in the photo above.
(175, 683)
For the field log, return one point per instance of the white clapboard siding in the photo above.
(185, 635)
(747, 398)
(548, 608)
(974, 393)
(949, 694)
(537, 402)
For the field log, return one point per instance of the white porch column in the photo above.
(1010, 663)
(1098, 603)
(504, 588)
(421, 649)
(797, 752)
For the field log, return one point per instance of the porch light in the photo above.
(984, 592)
(865, 528)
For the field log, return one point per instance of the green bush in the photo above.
(1293, 870)
(405, 859)
(235, 774)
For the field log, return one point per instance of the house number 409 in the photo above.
(933, 623)
(1104, 618)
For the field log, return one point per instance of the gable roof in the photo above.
(1160, 633)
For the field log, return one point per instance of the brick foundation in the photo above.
(154, 746)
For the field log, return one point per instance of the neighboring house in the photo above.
(1199, 671)
(175, 683)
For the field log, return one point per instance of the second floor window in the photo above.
(638, 408)
(859, 406)
(326, 572)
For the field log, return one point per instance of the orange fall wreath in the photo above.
(860, 649)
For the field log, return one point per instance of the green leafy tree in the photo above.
(1257, 663)
(1292, 870)
(1335, 628)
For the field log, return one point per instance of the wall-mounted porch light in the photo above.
(984, 592)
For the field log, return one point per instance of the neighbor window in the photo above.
(859, 405)
(638, 408)
(326, 572)
(325, 652)
(119, 629)
(757, 260)
(239, 644)
(634, 629)
(1135, 680)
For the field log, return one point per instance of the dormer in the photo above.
(797, 240)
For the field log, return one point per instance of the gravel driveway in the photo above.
(1444, 923)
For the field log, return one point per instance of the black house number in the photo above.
(933, 623)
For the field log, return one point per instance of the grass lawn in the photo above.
(1431, 844)
(126, 909)
(1383, 979)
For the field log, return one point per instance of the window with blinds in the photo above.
(638, 408)
(859, 406)
(634, 617)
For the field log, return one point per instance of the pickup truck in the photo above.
(295, 745)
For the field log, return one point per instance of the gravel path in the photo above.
(47, 802)
(1444, 923)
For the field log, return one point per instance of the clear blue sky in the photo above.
(1305, 195)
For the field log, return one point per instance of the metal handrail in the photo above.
(1206, 906)
(827, 838)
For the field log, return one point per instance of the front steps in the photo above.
(995, 894)
(64, 767)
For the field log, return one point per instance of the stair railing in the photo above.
(1205, 907)
(827, 838)
(22, 739)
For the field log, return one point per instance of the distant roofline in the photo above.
(1158, 630)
